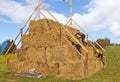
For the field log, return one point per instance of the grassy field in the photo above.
(110, 74)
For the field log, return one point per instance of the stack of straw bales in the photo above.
(48, 49)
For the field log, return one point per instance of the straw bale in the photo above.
(72, 70)
(39, 26)
(36, 55)
(25, 41)
(61, 54)
(90, 51)
(48, 39)
(20, 54)
(99, 64)
(91, 66)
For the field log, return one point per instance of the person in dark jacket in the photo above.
(81, 37)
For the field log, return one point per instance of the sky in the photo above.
(100, 18)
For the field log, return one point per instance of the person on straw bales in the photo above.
(75, 43)
(81, 37)
(100, 56)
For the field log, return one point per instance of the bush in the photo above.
(103, 42)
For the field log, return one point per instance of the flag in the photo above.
(70, 3)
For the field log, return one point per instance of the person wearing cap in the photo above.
(97, 51)
(100, 56)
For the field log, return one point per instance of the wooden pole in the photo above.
(19, 33)
(70, 13)
(74, 38)
(49, 13)
(39, 9)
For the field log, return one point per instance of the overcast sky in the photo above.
(99, 17)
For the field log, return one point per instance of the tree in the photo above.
(103, 42)
(12, 49)
(0, 46)
(107, 41)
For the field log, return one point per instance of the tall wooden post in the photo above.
(39, 9)
(71, 13)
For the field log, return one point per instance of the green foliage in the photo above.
(12, 49)
(2, 63)
(103, 42)
(3, 66)
(110, 74)
(0, 45)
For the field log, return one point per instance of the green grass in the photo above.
(110, 74)
(3, 62)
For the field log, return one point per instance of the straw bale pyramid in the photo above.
(49, 49)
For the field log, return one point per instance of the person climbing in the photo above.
(81, 37)
(78, 47)
(78, 35)
(100, 56)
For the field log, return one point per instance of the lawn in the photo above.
(110, 74)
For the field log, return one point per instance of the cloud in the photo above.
(60, 17)
(31, 2)
(115, 29)
(15, 11)
(101, 14)
(4, 20)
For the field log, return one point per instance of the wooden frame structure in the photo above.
(7, 57)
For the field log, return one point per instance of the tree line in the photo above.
(105, 42)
